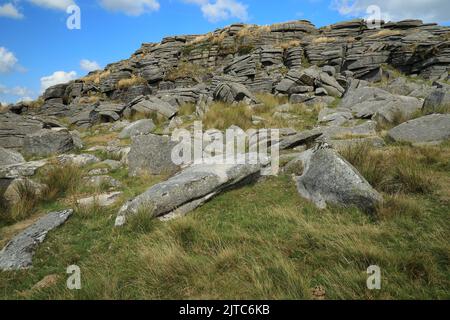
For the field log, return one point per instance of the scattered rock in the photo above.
(151, 154)
(328, 178)
(18, 253)
(432, 129)
(137, 128)
(101, 200)
(188, 190)
(79, 160)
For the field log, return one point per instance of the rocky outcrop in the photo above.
(329, 179)
(14, 128)
(18, 253)
(433, 128)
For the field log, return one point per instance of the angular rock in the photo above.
(151, 154)
(79, 160)
(437, 100)
(139, 127)
(47, 142)
(18, 253)
(25, 169)
(329, 179)
(433, 128)
(231, 92)
(8, 157)
(101, 200)
(152, 104)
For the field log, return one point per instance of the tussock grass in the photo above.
(258, 242)
(385, 33)
(397, 170)
(133, 81)
(186, 109)
(186, 70)
(61, 180)
(320, 40)
(28, 199)
(96, 77)
(221, 116)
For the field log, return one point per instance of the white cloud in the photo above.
(57, 78)
(10, 11)
(53, 4)
(89, 66)
(222, 9)
(131, 8)
(22, 92)
(8, 61)
(394, 10)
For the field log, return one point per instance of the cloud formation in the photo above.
(53, 4)
(394, 10)
(56, 78)
(222, 9)
(8, 61)
(89, 66)
(9, 10)
(131, 8)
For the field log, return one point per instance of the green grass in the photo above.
(261, 241)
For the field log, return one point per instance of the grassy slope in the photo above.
(261, 241)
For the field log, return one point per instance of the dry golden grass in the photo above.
(320, 40)
(96, 77)
(385, 33)
(133, 81)
(399, 169)
(90, 99)
(221, 116)
(100, 139)
(186, 70)
(289, 44)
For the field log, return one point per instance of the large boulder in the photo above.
(151, 154)
(433, 128)
(139, 127)
(380, 105)
(148, 105)
(329, 179)
(55, 92)
(188, 190)
(438, 99)
(47, 142)
(18, 253)
(8, 157)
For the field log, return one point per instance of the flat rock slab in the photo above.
(25, 169)
(102, 200)
(18, 253)
(434, 128)
(329, 179)
(8, 157)
(188, 190)
(79, 160)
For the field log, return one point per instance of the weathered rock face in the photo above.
(151, 154)
(25, 169)
(139, 127)
(328, 178)
(434, 128)
(18, 253)
(14, 128)
(8, 157)
(46, 142)
(188, 190)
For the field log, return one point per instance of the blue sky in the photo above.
(37, 49)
